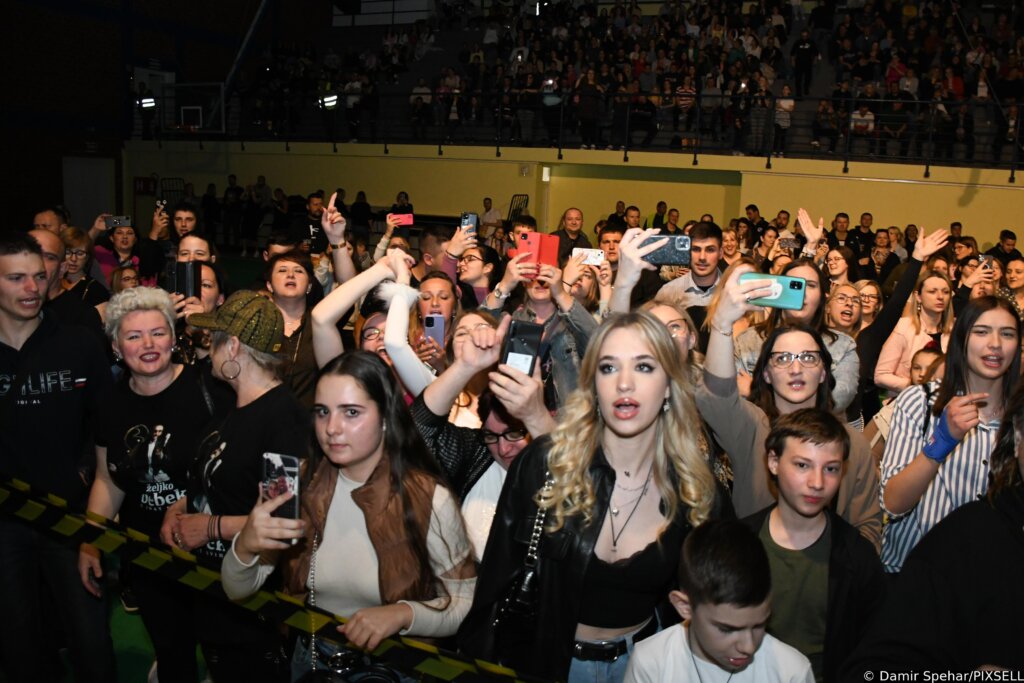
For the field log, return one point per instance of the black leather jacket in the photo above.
(563, 558)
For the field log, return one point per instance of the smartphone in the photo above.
(789, 243)
(985, 261)
(676, 252)
(470, 222)
(281, 475)
(542, 247)
(403, 218)
(787, 292)
(188, 278)
(522, 345)
(591, 257)
(433, 328)
(117, 221)
(162, 205)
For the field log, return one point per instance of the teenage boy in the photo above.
(725, 601)
(827, 579)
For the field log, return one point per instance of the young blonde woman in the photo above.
(730, 249)
(930, 319)
(626, 479)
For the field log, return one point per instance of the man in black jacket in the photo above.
(53, 379)
(827, 580)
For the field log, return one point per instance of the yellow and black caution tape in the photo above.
(50, 514)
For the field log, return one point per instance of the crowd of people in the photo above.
(793, 452)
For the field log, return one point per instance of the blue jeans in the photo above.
(32, 563)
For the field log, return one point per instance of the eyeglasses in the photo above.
(834, 259)
(784, 359)
(846, 299)
(371, 333)
(77, 253)
(469, 258)
(509, 435)
(869, 297)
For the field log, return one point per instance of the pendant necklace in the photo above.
(615, 513)
(689, 646)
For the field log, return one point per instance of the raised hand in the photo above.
(574, 269)
(734, 301)
(517, 271)
(401, 265)
(332, 222)
(926, 245)
(813, 233)
(631, 255)
(483, 347)
(460, 242)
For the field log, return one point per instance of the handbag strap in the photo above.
(538, 527)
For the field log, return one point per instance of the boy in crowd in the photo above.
(827, 579)
(724, 598)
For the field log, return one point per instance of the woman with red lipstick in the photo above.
(942, 436)
(146, 439)
(793, 371)
(621, 481)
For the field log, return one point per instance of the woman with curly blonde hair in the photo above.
(619, 482)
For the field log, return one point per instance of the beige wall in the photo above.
(721, 185)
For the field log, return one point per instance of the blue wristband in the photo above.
(941, 443)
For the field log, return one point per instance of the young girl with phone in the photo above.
(381, 540)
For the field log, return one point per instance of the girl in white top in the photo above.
(381, 539)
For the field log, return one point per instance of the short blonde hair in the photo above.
(137, 299)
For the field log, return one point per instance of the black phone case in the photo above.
(188, 278)
(280, 471)
(522, 345)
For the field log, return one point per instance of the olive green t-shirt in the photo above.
(799, 594)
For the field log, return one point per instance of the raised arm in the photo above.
(480, 351)
(415, 375)
(325, 316)
(334, 224)
(631, 265)
(733, 304)
(457, 246)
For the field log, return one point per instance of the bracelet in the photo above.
(339, 245)
(498, 294)
(941, 443)
(220, 534)
(209, 527)
(567, 284)
(449, 255)
(719, 330)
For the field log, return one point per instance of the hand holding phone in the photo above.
(280, 476)
(402, 218)
(591, 257)
(433, 328)
(522, 346)
(786, 292)
(117, 221)
(470, 222)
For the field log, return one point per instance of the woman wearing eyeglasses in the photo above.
(842, 266)
(76, 281)
(793, 371)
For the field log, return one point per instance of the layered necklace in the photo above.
(635, 502)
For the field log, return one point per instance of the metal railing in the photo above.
(968, 133)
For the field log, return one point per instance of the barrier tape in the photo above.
(50, 514)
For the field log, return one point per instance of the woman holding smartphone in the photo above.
(620, 482)
(380, 537)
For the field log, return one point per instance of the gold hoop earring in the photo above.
(237, 368)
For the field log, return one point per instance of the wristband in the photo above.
(719, 330)
(220, 533)
(339, 245)
(941, 443)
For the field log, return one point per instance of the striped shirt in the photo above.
(962, 477)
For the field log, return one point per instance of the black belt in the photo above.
(610, 650)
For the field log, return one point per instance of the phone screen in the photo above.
(281, 475)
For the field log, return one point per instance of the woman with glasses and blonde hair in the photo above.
(793, 371)
(619, 483)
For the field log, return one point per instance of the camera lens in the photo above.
(796, 285)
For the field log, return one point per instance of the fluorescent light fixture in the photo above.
(545, 174)
(329, 102)
(148, 103)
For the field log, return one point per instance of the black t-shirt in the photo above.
(151, 440)
(89, 291)
(63, 380)
(224, 478)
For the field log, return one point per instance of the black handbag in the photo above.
(516, 622)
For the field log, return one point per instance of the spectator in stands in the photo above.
(570, 234)
(1006, 249)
